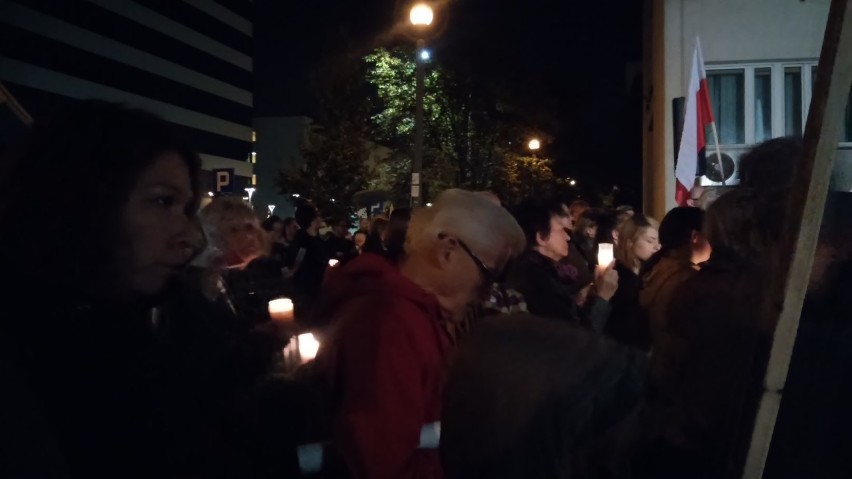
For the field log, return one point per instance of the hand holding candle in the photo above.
(281, 309)
(605, 254)
(308, 347)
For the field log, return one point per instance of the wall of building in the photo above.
(731, 32)
(277, 146)
(187, 61)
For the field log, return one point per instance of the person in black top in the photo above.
(339, 246)
(307, 258)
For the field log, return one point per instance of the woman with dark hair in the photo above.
(395, 236)
(540, 276)
(376, 239)
(81, 338)
(682, 249)
(274, 226)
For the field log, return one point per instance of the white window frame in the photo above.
(777, 69)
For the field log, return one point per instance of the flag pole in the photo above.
(718, 151)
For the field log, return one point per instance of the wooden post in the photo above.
(786, 292)
(17, 109)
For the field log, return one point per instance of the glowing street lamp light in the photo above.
(250, 192)
(425, 55)
(421, 15)
(534, 144)
(271, 208)
(572, 182)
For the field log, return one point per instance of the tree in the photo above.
(521, 177)
(336, 150)
(463, 131)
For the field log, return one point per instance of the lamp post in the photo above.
(250, 192)
(421, 16)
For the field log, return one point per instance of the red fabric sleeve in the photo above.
(386, 393)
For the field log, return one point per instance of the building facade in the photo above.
(760, 57)
(189, 61)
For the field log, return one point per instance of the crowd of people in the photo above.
(461, 340)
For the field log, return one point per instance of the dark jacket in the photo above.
(707, 406)
(531, 398)
(308, 257)
(550, 292)
(385, 362)
(341, 249)
(627, 322)
(107, 384)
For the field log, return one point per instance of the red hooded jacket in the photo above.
(386, 361)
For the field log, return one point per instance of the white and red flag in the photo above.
(699, 115)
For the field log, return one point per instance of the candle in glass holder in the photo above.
(605, 255)
(308, 347)
(333, 262)
(281, 309)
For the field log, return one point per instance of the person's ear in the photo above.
(541, 240)
(695, 237)
(444, 250)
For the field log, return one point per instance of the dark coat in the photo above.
(551, 294)
(116, 402)
(310, 271)
(707, 406)
(532, 398)
(627, 322)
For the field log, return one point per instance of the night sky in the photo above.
(571, 61)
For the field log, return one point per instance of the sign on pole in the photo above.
(224, 180)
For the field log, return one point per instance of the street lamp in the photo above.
(421, 16)
(250, 192)
(534, 144)
(271, 208)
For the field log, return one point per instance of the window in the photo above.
(727, 94)
(762, 104)
(254, 180)
(253, 136)
(756, 102)
(792, 101)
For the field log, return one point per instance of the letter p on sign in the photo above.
(224, 180)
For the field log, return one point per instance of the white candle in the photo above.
(333, 262)
(308, 347)
(605, 255)
(281, 309)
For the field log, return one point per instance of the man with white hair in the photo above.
(387, 356)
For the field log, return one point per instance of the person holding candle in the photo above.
(638, 240)
(551, 287)
(387, 351)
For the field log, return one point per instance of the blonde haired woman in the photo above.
(236, 262)
(638, 240)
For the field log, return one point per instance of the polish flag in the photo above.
(699, 114)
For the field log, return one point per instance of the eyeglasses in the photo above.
(488, 276)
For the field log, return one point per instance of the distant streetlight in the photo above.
(421, 16)
(534, 144)
(572, 182)
(271, 209)
(250, 192)
(210, 194)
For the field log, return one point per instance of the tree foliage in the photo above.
(335, 149)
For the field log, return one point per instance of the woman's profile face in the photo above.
(243, 238)
(157, 232)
